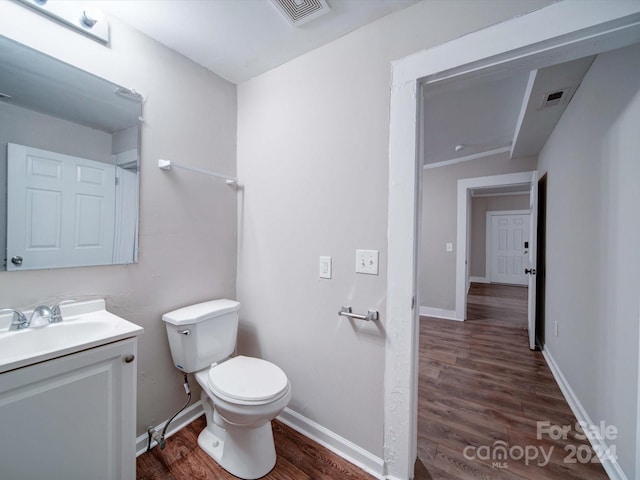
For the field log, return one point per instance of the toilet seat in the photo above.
(247, 380)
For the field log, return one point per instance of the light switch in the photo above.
(449, 247)
(367, 261)
(325, 267)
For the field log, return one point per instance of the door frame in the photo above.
(489, 236)
(466, 187)
(570, 32)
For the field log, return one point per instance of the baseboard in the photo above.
(334, 442)
(611, 466)
(439, 313)
(182, 420)
(479, 280)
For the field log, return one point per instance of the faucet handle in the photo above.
(56, 313)
(22, 320)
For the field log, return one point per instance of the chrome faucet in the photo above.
(56, 313)
(50, 315)
(41, 311)
(22, 321)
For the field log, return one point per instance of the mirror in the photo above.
(69, 164)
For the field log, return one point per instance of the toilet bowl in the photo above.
(239, 412)
(240, 395)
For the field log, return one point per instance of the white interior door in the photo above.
(509, 232)
(531, 268)
(60, 210)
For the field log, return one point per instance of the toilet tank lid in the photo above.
(201, 311)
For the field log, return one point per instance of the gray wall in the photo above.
(479, 208)
(437, 267)
(313, 149)
(188, 222)
(593, 234)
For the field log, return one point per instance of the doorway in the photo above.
(571, 34)
(541, 271)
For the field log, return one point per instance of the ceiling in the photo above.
(239, 39)
(463, 119)
(478, 116)
(32, 80)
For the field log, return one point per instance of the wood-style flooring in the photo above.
(481, 388)
(298, 458)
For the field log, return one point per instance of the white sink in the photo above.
(85, 325)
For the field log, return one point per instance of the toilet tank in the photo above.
(202, 334)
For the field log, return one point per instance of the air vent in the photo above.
(555, 98)
(299, 12)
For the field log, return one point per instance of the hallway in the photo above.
(482, 393)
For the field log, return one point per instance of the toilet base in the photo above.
(247, 453)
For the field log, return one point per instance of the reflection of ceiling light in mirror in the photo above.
(4, 96)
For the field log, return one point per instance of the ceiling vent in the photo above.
(299, 12)
(555, 98)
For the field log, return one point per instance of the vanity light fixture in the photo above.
(73, 15)
(88, 19)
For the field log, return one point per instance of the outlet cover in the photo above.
(367, 262)
(325, 267)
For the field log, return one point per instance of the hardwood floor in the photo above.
(298, 458)
(481, 388)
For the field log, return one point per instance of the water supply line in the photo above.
(159, 436)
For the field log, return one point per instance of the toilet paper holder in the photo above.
(345, 311)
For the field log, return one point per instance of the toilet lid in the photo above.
(247, 378)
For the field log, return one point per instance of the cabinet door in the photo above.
(72, 417)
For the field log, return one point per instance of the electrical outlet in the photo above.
(367, 261)
(325, 267)
(449, 247)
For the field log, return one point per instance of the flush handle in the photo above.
(186, 331)
(17, 260)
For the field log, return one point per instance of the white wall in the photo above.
(313, 146)
(592, 245)
(437, 267)
(188, 222)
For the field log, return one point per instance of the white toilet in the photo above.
(240, 395)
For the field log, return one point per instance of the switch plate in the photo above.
(449, 247)
(325, 267)
(367, 262)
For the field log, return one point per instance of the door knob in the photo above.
(530, 271)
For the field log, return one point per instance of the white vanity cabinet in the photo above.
(71, 417)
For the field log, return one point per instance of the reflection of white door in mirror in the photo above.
(61, 210)
(125, 247)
